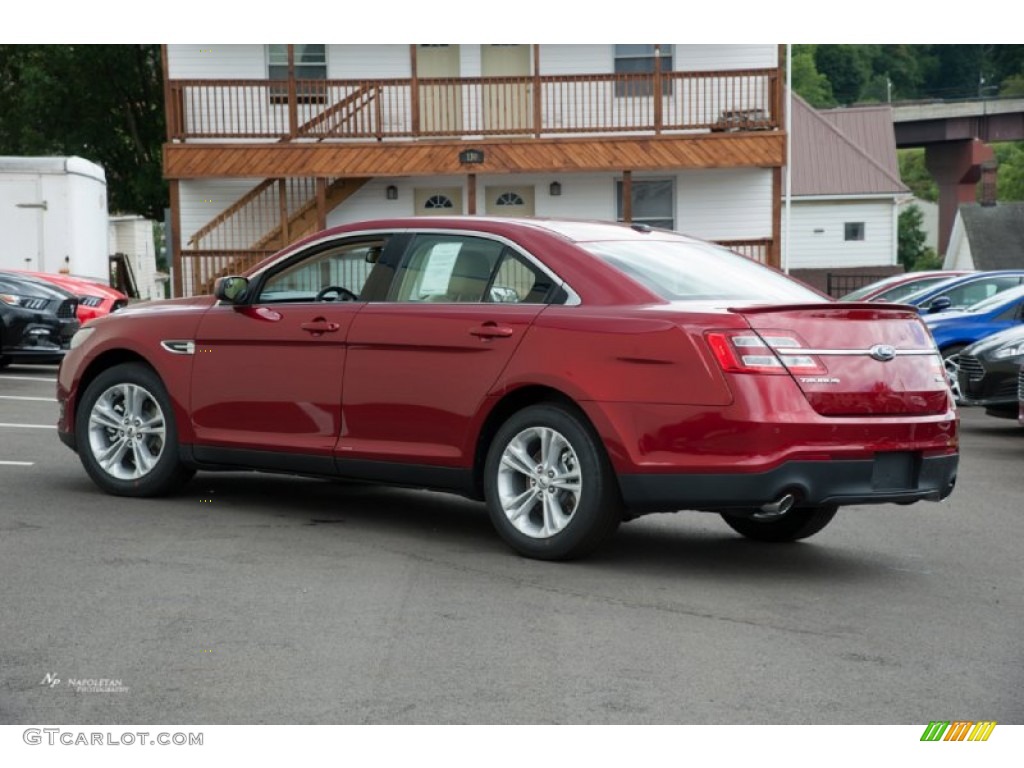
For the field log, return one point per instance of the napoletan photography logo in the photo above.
(958, 730)
(85, 684)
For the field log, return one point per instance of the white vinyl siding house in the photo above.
(819, 238)
(846, 195)
(559, 93)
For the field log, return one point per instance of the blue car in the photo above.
(953, 331)
(964, 291)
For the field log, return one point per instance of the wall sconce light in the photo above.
(391, 193)
(555, 190)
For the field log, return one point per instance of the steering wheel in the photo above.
(344, 294)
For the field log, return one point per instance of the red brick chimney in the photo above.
(987, 185)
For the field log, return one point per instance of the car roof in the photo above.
(15, 280)
(576, 230)
(74, 283)
(953, 281)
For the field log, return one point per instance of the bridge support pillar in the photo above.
(956, 167)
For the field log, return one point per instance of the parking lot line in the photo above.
(29, 378)
(17, 463)
(40, 399)
(29, 426)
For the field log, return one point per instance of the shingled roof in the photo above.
(848, 151)
(996, 234)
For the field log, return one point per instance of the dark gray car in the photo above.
(37, 320)
(988, 371)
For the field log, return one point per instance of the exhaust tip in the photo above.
(780, 506)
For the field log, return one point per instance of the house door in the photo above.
(509, 201)
(440, 97)
(506, 102)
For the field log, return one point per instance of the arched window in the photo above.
(509, 198)
(438, 201)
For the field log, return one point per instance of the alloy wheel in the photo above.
(127, 431)
(539, 482)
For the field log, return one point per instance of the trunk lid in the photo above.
(856, 359)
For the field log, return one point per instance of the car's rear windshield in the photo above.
(680, 270)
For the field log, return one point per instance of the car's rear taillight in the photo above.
(770, 352)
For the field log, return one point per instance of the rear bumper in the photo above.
(900, 477)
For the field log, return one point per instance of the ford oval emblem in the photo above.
(883, 352)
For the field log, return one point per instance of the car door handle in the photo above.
(319, 326)
(492, 331)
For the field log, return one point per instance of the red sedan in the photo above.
(94, 298)
(571, 374)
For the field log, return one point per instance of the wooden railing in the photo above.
(199, 269)
(270, 205)
(549, 105)
(757, 249)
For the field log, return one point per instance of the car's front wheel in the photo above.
(797, 523)
(126, 436)
(550, 489)
(951, 362)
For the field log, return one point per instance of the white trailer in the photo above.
(53, 216)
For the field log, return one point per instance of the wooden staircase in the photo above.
(271, 215)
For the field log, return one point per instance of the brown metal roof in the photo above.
(844, 151)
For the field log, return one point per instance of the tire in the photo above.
(119, 459)
(551, 492)
(952, 366)
(797, 523)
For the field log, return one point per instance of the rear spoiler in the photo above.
(860, 310)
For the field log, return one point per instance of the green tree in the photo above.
(102, 102)
(915, 175)
(1012, 87)
(1010, 176)
(812, 86)
(847, 67)
(912, 253)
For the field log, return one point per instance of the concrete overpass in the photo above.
(956, 136)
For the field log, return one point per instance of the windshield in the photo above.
(679, 269)
(997, 300)
(900, 292)
(864, 290)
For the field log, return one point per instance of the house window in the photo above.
(509, 198)
(438, 201)
(854, 230)
(653, 203)
(310, 65)
(640, 60)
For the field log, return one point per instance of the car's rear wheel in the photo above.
(797, 523)
(550, 489)
(126, 436)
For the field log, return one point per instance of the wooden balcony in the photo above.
(410, 109)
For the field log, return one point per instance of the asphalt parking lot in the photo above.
(263, 599)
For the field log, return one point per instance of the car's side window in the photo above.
(335, 273)
(972, 293)
(519, 282)
(447, 268)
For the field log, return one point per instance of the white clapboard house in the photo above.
(846, 196)
(268, 143)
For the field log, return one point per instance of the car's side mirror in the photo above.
(940, 304)
(231, 289)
